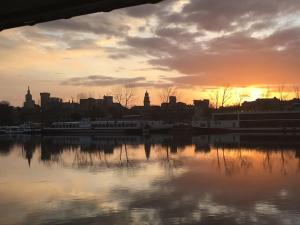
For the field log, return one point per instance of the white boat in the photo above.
(2, 130)
(13, 130)
(251, 122)
(87, 126)
(26, 128)
(31, 128)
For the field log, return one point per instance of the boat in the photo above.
(26, 128)
(31, 128)
(250, 122)
(87, 126)
(2, 130)
(13, 130)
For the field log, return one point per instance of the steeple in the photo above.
(146, 100)
(29, 103)
(28, 96)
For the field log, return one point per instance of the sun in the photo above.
(254, 93)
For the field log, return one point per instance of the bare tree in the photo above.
(226, 95)
(241, 96)
(125, 95)
(297, 91)
(166, 92)
(214, 96)
(267, 93)
(281, 91)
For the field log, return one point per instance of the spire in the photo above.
(146, 100)
(28, 90)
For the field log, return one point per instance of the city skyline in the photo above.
(195, 46)
(234, 96)
(176, 112)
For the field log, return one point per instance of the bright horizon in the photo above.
(195, 46)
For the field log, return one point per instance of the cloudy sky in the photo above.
(194, 45)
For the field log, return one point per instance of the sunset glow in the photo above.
(194, 46)
(150, 112)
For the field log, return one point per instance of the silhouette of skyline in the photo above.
(179, 112)
(193, 46)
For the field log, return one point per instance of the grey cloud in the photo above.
(219, 15)
(142, 11)
(149, 10)
(100, 24)
(229, 58)
(9, 43)
(180, 35)
(99, 80)
(151, 46)
(172, 45)
(118, 56)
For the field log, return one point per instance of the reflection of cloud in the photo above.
(154, 193)
(266, 209)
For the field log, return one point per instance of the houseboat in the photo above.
(2, 131)
(86, 126)
(26, 128)
(13, 130)
(251, 122)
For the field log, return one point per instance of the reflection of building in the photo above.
(29, 148)
(29, 103)
(146, 100)
(202, 143)
(297, 155)
(147, 146)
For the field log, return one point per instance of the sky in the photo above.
(195, 46)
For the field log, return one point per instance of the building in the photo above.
(108, 100)
(90, 103)
(29, 103)
(146, 100)
(172, 100)
(201, 109)
(263, 104)
(49, 102)
(45, 97)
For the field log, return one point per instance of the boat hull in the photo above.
(285, 130)
(89, 131)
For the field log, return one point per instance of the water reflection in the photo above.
(160, 179)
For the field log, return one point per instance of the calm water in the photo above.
(157, 180)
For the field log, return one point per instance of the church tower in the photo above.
(29, 103)
(147, 100)
(28, 96)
